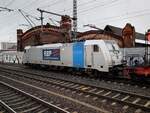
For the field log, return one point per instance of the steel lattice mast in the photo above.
(74, 19)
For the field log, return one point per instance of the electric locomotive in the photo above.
(90, 55)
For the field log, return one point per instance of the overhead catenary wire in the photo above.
(53, 21)
(6, 9)
(133, 16)
(31, 3)
(121, 16)
(79, 4)
(85, 3)
(109, 17)
(91, 8)
(10, 3)
(84, 14)
(30, 20)
(52, 4)
(29, 15)
(25, 17)
(99, 5)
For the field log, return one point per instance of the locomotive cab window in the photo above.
(95, 48)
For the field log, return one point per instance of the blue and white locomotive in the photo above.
(99, 55)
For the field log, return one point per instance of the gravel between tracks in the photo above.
(89, 81)
(46, 95)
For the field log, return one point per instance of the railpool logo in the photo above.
(51, 54)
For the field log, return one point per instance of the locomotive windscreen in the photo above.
(112, 46)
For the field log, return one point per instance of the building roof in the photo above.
(113, 29)
(140, 36)
(118, 31)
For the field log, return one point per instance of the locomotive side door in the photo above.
(88, 56)
(98, 57)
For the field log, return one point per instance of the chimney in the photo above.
(65, 26)
(128, 34)
(19, 40)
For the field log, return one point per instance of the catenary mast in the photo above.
(74, 19)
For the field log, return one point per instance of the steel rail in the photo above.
(133, 104)
(42, 102)
(6, 107)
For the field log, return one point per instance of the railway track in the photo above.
(140, 84)
(139, 102)
(120, 81)
(13, 100)
(4, 108)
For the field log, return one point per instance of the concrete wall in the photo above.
(11, 57)
(134, 54)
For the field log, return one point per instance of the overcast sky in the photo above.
(97, 12)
